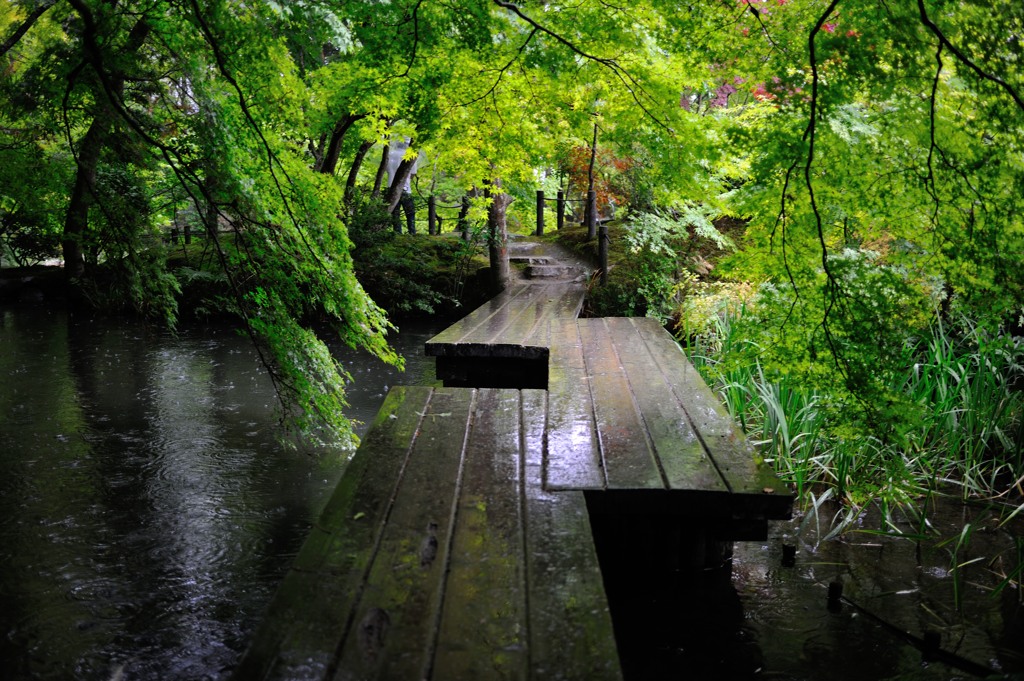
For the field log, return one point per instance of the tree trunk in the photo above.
(317, 151)
(357, 164)
(497, 242)
(381, 170)
(76, 221)
(402, 173)
(330, 162)
(462, 222)
(587, 217)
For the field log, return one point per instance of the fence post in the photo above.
(540, 212)
(591, 215)
(602, 251)
(431, 215)
(463, 219)
(561, 209)
(409, 208)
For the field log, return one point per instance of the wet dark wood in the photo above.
(440, 556)
(510, 325)
(484, 624)
(630, 460)
(664, 442)
(570, 625)
(502, 344)
(573, 458)
(312, 610)
(459, 544)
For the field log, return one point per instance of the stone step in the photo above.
(531, 260)
(552, 272)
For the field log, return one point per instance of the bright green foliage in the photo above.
(956, 417)
(876, 158)
(204, 111)
(872, 149)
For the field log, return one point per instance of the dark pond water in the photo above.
(950, 587)
(147, 506)
(148, 512)
(762, 619)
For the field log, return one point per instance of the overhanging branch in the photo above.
(964, 59)
(632, 85)
(20, 32)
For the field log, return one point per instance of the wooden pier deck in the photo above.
(503, 342)
(459, 543)
(441, 556)
(629, 415)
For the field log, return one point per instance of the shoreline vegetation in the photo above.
(838, 249)
(942, 417)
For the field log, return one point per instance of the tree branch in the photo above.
(631, 84)
(20, 32)
(809, 135)
(501, 72)
(932, 145)
(964, 59)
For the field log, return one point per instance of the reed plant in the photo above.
(957, 423)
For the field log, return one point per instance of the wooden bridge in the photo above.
(459, 542)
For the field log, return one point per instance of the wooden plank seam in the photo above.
(651, 445)
(431, 651)
(689, 416)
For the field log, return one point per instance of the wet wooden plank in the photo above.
(680, 452)
(570, 634)
(395, 621)
(743, 471)
(622, 434)
(439, 556)
(510, 325)
(563, 301)
(311, 610)
(572, 456)
(492, 313)
(545, 302)
(483, 632)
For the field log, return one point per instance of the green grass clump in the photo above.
(959, 426)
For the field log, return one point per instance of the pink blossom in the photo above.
(831, 28)
(721, 97)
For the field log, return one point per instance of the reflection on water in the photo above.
(896, 589)
(147, 507)
(148, 511)
(758, 619)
